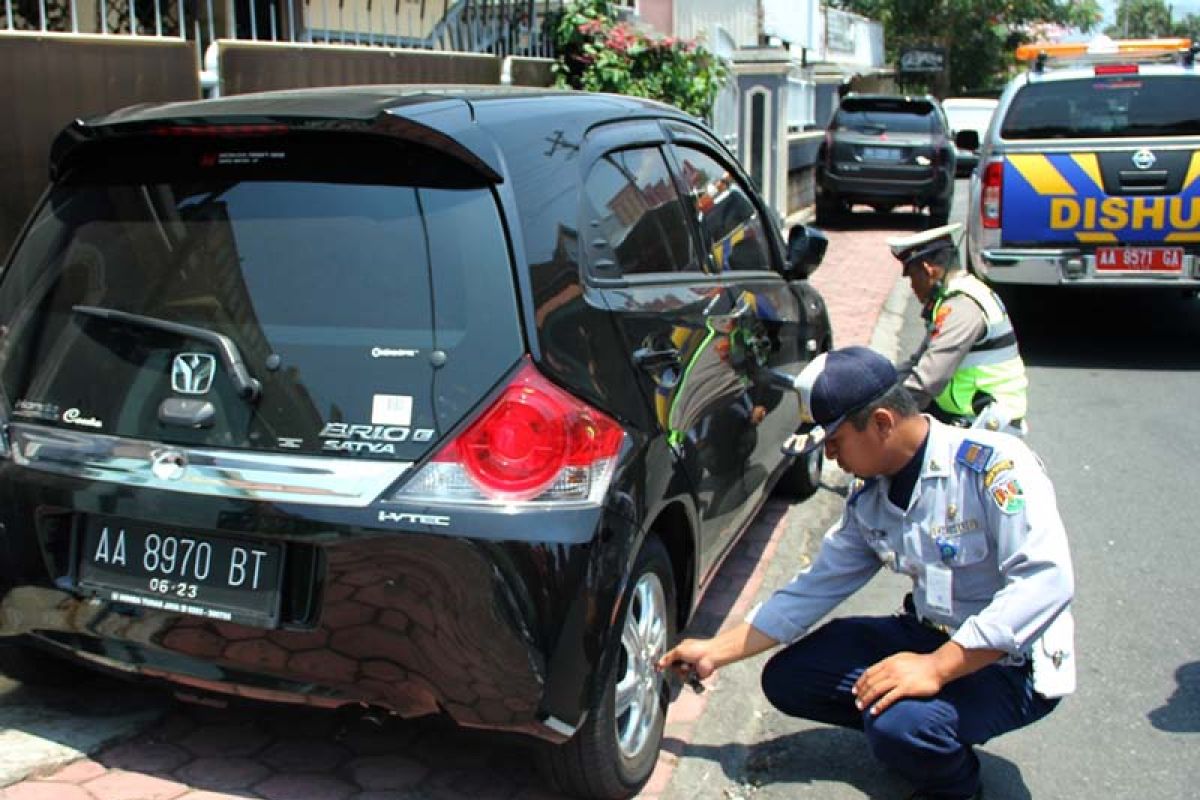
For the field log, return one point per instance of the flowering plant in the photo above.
(596, 53)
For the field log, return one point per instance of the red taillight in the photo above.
(1116, 69)
(989, 208)
(531, 437)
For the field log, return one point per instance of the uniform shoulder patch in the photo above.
(1007, 496)
(996, 470)
(973, 455)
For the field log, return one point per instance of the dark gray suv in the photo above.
(428, 401)
(886, 151)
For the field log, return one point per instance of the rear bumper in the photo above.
(869, 189)
(495, 632)
(1074, 267)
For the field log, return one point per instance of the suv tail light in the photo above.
(989, 209)
(536, 445)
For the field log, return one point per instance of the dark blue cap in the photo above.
(840, 382)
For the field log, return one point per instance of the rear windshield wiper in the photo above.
(248, 387)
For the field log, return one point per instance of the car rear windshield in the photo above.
(1111, 106)
(353, 299)
(880, 115)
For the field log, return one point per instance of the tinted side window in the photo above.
(732, 228)
(639, 213)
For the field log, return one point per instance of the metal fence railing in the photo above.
(499, 27)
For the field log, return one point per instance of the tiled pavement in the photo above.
(286, 753)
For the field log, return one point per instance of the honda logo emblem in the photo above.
(192, 373)
(1143, 159)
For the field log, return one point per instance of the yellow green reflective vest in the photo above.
(993, 365)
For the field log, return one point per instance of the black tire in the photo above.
(829, 211)
(593, 763)
(802, 478)
(33, 667)
(939, 215)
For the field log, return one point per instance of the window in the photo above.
(887, 114)
(732, 227)
(639, 213)
(1114, 106)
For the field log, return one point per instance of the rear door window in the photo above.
(886, 115)
(1105, 106)
(353, 302)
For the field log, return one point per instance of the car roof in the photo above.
(969, 102)
(1088, 71)
(928, 98)
(363, 103)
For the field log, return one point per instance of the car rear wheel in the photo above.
(830, 210)
(939, 214)
(615, 750)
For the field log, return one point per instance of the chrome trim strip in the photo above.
(271, 477)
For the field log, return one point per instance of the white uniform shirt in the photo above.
(984, 508)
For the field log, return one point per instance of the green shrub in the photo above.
(598, 54)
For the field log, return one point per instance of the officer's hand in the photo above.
(689, 655)
(894, 678)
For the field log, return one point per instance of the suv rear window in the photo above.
(336, 290)
(1114, 106)
(877, 115)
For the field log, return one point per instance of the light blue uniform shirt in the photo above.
(983, 507)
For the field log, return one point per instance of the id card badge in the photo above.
(939, 588)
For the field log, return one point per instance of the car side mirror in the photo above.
(966, 140)
(805, 249)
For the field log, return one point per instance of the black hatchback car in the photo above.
(886, 151)
(424, 401)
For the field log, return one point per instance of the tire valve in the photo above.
(693, 681)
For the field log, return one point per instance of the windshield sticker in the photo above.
(76, 417)
(32, 408)
(393, 352)
(391, 409)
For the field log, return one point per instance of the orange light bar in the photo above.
(1132, 47)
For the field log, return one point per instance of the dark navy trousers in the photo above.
(930, 741)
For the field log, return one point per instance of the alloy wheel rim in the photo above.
(639, 687)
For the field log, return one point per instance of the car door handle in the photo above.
(656, 360)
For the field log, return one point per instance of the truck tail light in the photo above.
(534, 445)
(989, 209)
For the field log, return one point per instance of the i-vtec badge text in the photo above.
(413, 519)
(76, 417)
(344, 437)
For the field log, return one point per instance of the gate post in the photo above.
(761, 74)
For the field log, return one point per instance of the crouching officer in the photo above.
(968, 370)
(985, 643)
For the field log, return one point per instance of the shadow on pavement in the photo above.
(1181, 713)
(1118, 329)
(840, 756)
(863, 219)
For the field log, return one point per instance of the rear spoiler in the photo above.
(468, 145)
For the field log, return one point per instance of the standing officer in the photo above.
(968, 370)
(985, 643)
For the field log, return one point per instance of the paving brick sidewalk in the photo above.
(195, 753)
